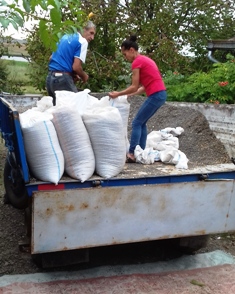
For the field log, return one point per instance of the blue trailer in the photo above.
(185, 205)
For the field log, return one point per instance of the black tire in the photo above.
(192, 244)
(16, 193)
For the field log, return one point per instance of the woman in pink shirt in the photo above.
(146, 77)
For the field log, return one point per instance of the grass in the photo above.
(18, 72)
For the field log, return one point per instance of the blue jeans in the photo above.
(57, 83)
(146, 111)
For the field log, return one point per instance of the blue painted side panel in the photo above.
(169, 179)
(11, 133)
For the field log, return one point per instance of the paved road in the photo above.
(209, 273)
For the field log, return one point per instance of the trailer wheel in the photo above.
(192, 244)
(16, 193)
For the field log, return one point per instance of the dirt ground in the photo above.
(200, 146)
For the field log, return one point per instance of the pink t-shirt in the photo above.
(150, 76)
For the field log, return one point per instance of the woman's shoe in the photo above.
(130, 160)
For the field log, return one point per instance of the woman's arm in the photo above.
(140, 91)
(132, 88)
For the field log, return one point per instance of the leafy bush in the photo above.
(215, 86)
(3, 76)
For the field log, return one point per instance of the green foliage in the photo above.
(49, 14)
(11, 77)
(103, 72)
(4, 41)
(215, 86)
(3, 76)
(39, 58)
(163, 29)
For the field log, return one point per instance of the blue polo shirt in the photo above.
(69, 46)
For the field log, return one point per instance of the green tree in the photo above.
(54, 17)
(39, 57)
(163, 29)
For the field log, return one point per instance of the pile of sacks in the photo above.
(83, 135)
(163, 146)
(79, 136)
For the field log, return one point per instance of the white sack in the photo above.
(161, 140)
(175, 131)
(123, 106)
(43, 152)
(174, 156)
(44, 103)
(105, 128)
(146, 156)
(75, 143)
(80, 101)
(32, 116)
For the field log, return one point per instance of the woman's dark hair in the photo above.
(130, 43)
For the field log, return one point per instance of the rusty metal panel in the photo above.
(83, 218)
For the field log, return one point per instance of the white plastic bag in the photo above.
(175, 157)
(123, 106)
(75, 143)
(146, 156)
(44, 103)
(105, 128)
(43, 152)
(161, 140)
(31, 116)
(80, 101)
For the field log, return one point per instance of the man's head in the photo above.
(89, 31)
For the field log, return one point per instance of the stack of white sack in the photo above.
(75, 143)
(105, 128)
(83, 101)
(43, 152)
(106, 121)
(163, 146)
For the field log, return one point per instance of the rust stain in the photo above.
(201, 232)
(65, 207)
(110, 197)
(49, 211)
(84, 205)
(71, 207)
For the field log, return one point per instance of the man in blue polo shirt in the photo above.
(65, 65)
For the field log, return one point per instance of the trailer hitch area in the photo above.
(24, 245)
(96, 183)
(203, 177)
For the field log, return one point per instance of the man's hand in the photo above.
(76, 78)
(85, 78)
(113, 94)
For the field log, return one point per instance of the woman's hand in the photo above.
(113, 94)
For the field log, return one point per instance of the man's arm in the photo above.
(78, 70)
